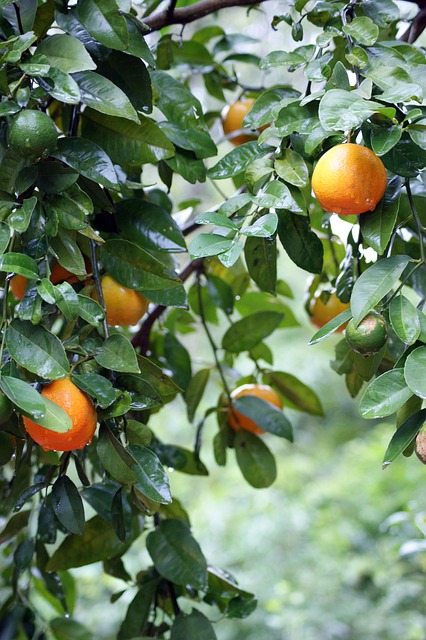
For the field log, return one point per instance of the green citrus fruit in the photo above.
(421, 446)
(32, 134)
(6, 408)
(369, 336)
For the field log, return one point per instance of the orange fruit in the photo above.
(233, 120)
(17, 286)
(58, 274)
(237, 420)
(123, 306)
(349, 179)
(324, 310)
(78, 406)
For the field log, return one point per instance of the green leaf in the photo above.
(19, 220)
(24, 396)
(404, 319)
(67, 628)
(87, 158)
(404, 436)
(177, 555)
(103, 95)
(117, 354)
(126, 142)
(385, 395)
(19, 263)
(300, 242)
(68, 505)
(414, 371)
(237, 161)
(149, 225)
(151, 479)
(195, 626)
(261, 259)
(377, 226)
(65, 89)
(209, 244)
(104, 22)
(90, 310)
(341, 110)
(68, 253)
(194, 391)
(98, 387)
(276, 194)
(255, 460)
(54, 418)
(98, 542)
(362, 30)
(139, 609)
(265, 415)
(36, 349)
(249, 331)
(297, 394)
(292, 168)
(331, 326)
(375, 283)
(264, 227)
(66, 53)
(116, 460)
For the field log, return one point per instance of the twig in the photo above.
(185, 15)
(142, 337)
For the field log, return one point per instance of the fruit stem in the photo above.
(420, 227)
(209, 336)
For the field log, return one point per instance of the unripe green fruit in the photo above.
(369, 336)
(32, 134)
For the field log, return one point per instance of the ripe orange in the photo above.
(349, 179)
(58, 274)
(123, 306)
(322, 311)
(78, 406)
(237, 420)
(233, 120)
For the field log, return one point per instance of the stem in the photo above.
(420, 228)
(98, 286)
(210, 337)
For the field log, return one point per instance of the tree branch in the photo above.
(184, 15)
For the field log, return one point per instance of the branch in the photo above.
(184, 15)
(142, 337)
(418, 25)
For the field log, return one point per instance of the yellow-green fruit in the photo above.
(421, 446)
(369, 336)
(32, 134)
(6, 408)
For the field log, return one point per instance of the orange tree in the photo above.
(105, 107)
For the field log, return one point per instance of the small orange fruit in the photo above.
(237, 420)
(78, 406)
(349, 179)
(324, 310)
(123, 306)
(17, 286)
(233, 121)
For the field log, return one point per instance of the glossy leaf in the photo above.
(236, 161)
(261, 259)
(103, 95)
(37, 350)
(404, 319)
(265, 415)
(19, 263)
(68, 505)
(249, 331)
(375, 283)
(67, 628)
(255, 460)
(151, 479)
(104, 22)
(403, 436)
(297, 394)
(194, 391)
(177, 555)
(98, 542)
(300, 242)
(414, 371)
(24, 396)
(385, 395)
(292, 168)
(377, 226)
(65, 53)
(96, 386)
(195, 626)
(117, 354)
(87, 158)
(114, 457)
